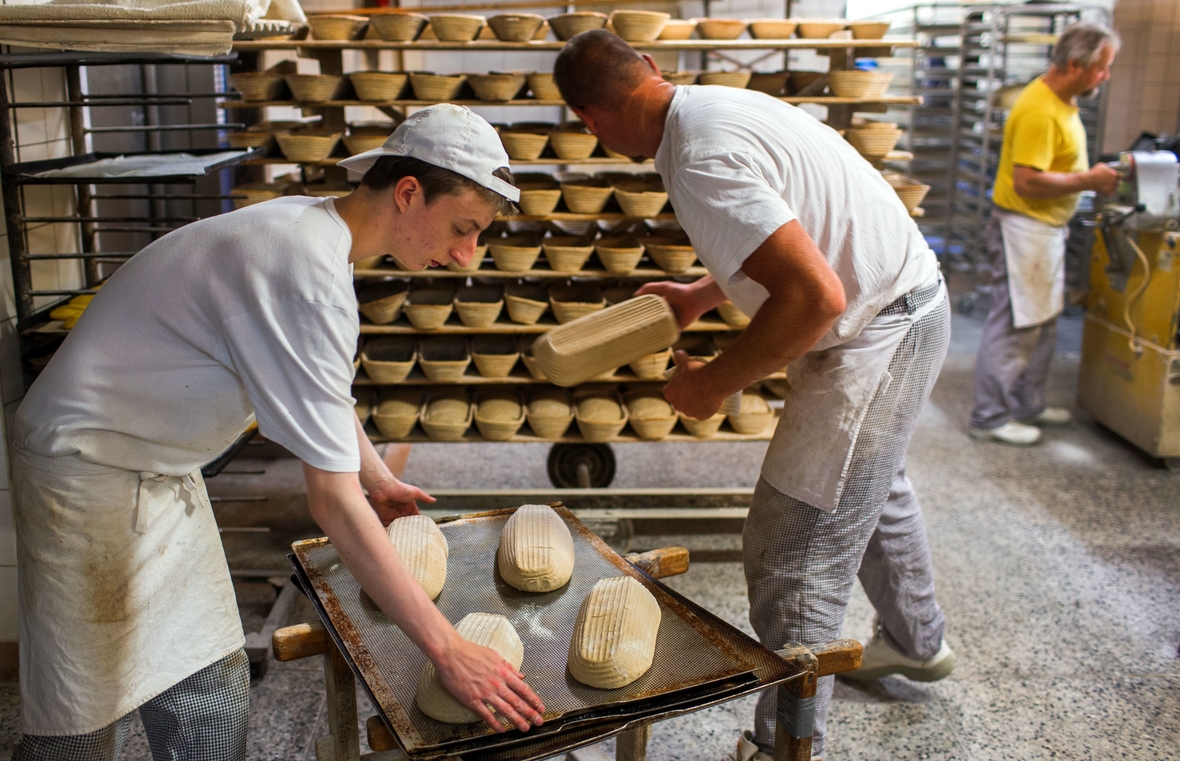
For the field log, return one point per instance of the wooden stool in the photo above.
(342, 743)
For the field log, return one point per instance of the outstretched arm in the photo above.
(391, 498)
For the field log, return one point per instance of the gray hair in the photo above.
(1082, 42)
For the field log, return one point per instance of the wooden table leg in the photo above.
(632, 744)
(343, 742)
(795, 720)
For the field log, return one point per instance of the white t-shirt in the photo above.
(248, 315)
(739, 164)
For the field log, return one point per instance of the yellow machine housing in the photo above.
(1130, 370)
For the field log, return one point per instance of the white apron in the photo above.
(809, 456)
(124, 590)
(1034, 253)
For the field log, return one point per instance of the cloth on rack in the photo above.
(185, 27)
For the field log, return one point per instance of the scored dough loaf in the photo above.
(615, 634)
(536, 552)
(487, 629)
(423, 549)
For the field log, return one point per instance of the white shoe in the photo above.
(1012, 432)
(880, 660)
(1050, 416)
(748, 751)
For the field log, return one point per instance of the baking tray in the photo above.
(690, 653)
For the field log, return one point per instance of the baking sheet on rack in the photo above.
(687, 654)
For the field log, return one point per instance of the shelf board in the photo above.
(555, 46)
(897, 100)
(518, 377)
(454, 327)
(644, 273)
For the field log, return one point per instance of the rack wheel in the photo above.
(1171, 463)
(967, 302)
(581, 466)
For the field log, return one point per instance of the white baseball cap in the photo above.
(448, 136)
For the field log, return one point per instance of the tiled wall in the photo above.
(1145, 79)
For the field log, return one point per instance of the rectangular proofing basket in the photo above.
(689, 654)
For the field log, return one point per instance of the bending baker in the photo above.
(802, 234)
(125, 598)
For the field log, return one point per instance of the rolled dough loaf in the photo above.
(487, 629)
(423, 549)
(536, 551)
(615, 634)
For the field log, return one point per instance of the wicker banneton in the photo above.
(389, 359)
(569, 302)
(428, 86)
(365, 400)
(911, 192)
(429, 308)
(308, 145)
(566, 253)
(497, 85)
(499, 415)
(678, 29)
(398, 411)
(671, 255)
(382, 303)
(702, 429)
(770, 82)
(258, 85)
(495, 356)
(652, 366)
(526, 303)
(720, 28)
(640, 199)
(338, 190)
(314, 88)
(567, 25)
(572, 353)
(542, 87)
(516, 27)
(524, 145)
(873, 141)
(257, 192)
(444, 359)
(586, 196)
(539, 194)
(868, 30)
(638, 26)
(476, 259)
(601, 416)
(734, 317)
(619, 293)
(479, 305)
(250, 139)
(859, 84)
(619, 255)
(680, 77)
(755, 414)
(737, 79)
(801, 79)
(378, 86)
(456, 27)
(772, 28)
(447, 416)
(651, 415)
(398, 27)
(530, 362)
(818, 28)
(572, 142)
(337, 27)
(364, 140)
(516, 253)
(369, 262)
(550, 413)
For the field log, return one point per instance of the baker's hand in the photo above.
(394, 499)
(484, 682)
(1103, 179)
(680, 296)
(686, 393)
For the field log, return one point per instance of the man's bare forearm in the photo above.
(374, 472)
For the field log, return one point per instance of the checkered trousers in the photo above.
(800, 561)
(202, 718)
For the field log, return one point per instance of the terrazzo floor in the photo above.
(1058, 568)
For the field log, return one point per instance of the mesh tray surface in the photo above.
(688, 652)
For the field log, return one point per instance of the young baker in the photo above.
(125, 597)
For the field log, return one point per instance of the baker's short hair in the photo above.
(435, 180)
(597, 68)
(1081, 42)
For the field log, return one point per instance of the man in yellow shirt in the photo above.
(1043, 170)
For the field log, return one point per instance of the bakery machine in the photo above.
(1130, 367)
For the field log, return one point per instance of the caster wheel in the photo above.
(967, 303)
(1172, 464)
(581, 466)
